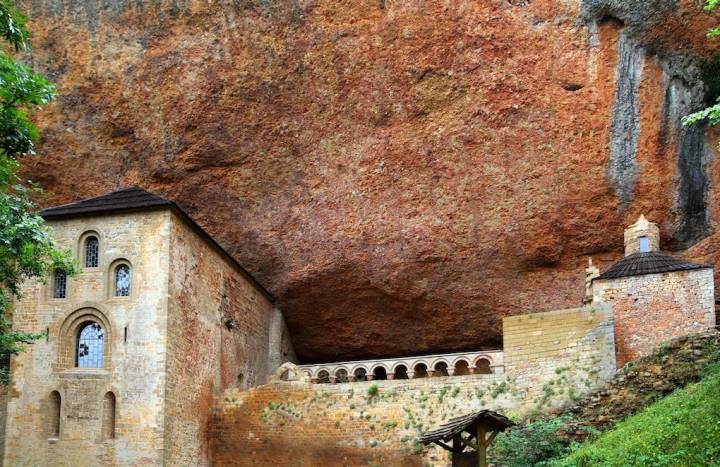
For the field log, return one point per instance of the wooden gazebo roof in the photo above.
(493, 421)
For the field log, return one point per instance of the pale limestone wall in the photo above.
(653, 308)
(219, 328)
(134, 369)
(541, 345)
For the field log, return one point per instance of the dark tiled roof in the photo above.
(120, 200)
(457, 425)
(134, 199)
(651, 262)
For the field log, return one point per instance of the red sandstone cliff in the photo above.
(400, 174)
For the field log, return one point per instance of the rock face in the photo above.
(399, 174)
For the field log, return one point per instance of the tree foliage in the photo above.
(711, 114)
(26, 248)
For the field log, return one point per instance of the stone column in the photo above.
(430, 373)
(391, 375)
(411, 374)
(471, 370)
(333, 380)
(370, 376)
(451, 371)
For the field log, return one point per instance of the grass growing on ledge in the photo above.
(681, 430)
(372, 390)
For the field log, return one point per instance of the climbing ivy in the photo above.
(711, 115)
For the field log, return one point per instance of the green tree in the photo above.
(711, 114)
(26, 249)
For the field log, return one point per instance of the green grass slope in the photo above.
(682, 429)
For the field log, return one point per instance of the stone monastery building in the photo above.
(161, 322)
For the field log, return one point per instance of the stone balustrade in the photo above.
(426, 366)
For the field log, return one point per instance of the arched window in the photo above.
(420, 370)
(461, 368)
(379, 373)
(323, 377)
(360, 374)
(108, 416)
(401, 372)
(482, 367)
(59, 284)
(341, 375)
(55, 402)
(441, 369)
(122, 281)
(92, 252)
(90, 346)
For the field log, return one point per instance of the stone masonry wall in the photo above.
(218, 337)
(653, 308)
(555, 357)
(134, 353)
(540, 345)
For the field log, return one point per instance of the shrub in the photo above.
(373, 390)
(533, 443)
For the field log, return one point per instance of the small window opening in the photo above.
(108, 420)
(380, 373)
(341, 376)
(644, 244)
(441, 369)
(240, 378)
(482, 367)
(401, 372)
(461, 368)
(60, 284)
(90, 346)
(360, 374)
(125, 334)
(323, 377)
(54, 415)
(420, 370)
(92, 252)
(122, 281)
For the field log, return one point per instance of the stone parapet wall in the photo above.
(303, 424)
(550, 359)
(653, 308)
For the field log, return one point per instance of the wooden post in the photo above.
(481, 446)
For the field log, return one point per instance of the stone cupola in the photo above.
(642, 237)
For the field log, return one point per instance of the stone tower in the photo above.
(642, 237)
(159, 321)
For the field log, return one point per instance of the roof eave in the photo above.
(700, 266)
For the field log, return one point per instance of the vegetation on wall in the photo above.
(711, 114)
(26, 249)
